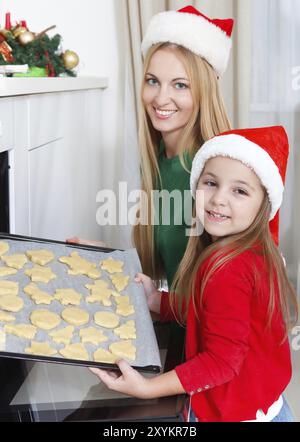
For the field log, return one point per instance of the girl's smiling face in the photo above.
(233, 195)
(166, 94)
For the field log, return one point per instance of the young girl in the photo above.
(232, 291)
(185, 53)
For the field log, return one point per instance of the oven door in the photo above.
(48, 392)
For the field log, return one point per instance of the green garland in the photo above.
(41, 53)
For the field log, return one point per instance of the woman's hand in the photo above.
(153, 295)
(85, 242)
(129, 381)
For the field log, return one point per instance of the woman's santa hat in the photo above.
(264, 150)
(211, 39)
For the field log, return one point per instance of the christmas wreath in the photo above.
(43, 54)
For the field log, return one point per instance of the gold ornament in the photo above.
(18, 31)
(70, 59)
(26, 37)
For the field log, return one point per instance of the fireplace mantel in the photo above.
(10, 87)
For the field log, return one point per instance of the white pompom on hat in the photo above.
(265, 150)
(187, 27)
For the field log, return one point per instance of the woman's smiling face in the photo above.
(166, 93)
(231, 199)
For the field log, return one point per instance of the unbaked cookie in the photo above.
(41, 257)
(75, 351)
(15, 261)
(6, 271)
(6, 317)
(40, 274)
(112, 265)
(92, 335)
(123, 349)
(40, 348)
(75, 316)
(4, 247)
(38, 295)
(9, 288)
(120, 281)
(126, 331)
(63, 336)
(124, 308)
(99, 293)
(68, 296)
(44, 319)
(102, 355)
(106, 319)
(80, 266)
(26, 331)
(11, 303)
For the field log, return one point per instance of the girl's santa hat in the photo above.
(264, 150)
(211, 39)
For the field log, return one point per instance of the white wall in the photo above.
(91, 29)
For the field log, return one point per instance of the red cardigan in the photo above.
(234, 365)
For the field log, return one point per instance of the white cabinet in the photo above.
(55, 158)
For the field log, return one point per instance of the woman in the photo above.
(182, 107)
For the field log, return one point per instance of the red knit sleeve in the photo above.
(225, 329)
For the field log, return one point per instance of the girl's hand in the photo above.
(153, 295)
(129, 382)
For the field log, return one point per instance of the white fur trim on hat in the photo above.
(252, 155)
(192, 32)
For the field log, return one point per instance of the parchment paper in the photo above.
(147, 353)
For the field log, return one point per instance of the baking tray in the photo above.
(147, 352)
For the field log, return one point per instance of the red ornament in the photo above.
(7, 21)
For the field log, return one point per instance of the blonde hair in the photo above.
(223, 251)
(209, 118)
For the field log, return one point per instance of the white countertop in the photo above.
(10, 86)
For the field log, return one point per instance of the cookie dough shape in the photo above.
(120, 281)
(80, 266)
(68, 296)
(92, 335)
(99, 293)
(6, 317)
(126, 331)
(38, 295)
(75, 351)
(44, 319)
(6, 271)
(123, 349)
(124, 308)
(102, 355)
(106, 319)
(63, 336)
(40, 274)
(40, 348)
(15, 261)
(4, 247)
(112, 265)
(11, 303)
(41, 256)
(26, 331)
(9, 288)
(75, 316)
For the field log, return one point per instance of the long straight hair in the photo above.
(223, 251)
(209, 118)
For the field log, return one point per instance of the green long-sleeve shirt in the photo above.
(171, 237)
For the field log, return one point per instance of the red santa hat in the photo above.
(264, 150)
(211, 39)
